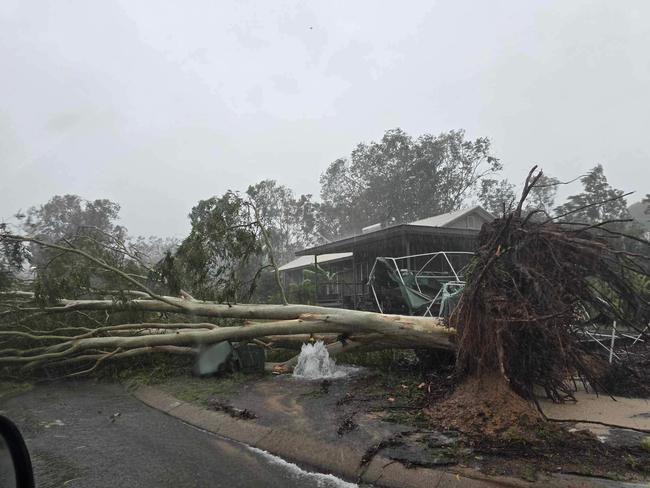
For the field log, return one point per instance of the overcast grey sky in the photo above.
(158, 104)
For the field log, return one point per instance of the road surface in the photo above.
(86, 434)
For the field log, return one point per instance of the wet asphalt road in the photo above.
(77, 440)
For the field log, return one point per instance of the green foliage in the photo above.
(640, 212)
(542, 195)
(499, 196)
(169, 271)
(289, 220)
(67, 215)
(305, 291)
(226, 257)
(151, 250)
(266, 290)
(13, 388)
(604, 204)
(400, 179)
(200, 390)
(174, 375)
(12, 256)
(596, 189)
(221, 256)
(90, 226)
(645, 444)
(387, 360)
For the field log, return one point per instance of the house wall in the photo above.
(350, 289)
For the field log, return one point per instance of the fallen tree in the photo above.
(518, 327)
(113, 342)
(28, 348)
(533, 285)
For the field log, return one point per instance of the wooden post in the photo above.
(406, 249)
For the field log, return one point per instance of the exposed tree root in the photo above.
(522, 312)
(485, 405)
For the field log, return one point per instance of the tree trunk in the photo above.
(366, 330)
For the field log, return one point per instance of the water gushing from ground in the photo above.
(315, 363)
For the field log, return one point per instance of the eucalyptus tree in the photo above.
(401, 178)
(91, 226)
(238, 240)
(289, 219)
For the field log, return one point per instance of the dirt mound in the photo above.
(485, 406)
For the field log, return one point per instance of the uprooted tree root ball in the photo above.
(530, 283)
(486, 405)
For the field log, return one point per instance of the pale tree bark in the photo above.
(295, 322)
(181, 333)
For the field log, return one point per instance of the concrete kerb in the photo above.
(342, 461)
(157, 399)
(296, 447)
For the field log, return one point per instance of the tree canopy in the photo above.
(289, 219)
(217, 257)
(236, 236)
(90, 226)
(598, 202)
(401, 178)
(499, 196)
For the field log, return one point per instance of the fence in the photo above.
(608, 340)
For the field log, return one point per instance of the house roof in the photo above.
(308, 260)
(449, 218)
(438, 224)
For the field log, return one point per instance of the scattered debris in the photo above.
(347, 425)
(629, 376)
(347, 398)
(373, 450)
(325, 386)
(281, 369)
(220, 406)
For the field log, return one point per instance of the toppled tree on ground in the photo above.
(159, 326)
(520, 320)
(518, 326)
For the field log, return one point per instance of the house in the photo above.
(334, 263)
(348, 261)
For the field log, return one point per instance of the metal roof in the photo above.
(308, 260)
(447, 219)
(439, 224)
